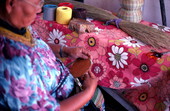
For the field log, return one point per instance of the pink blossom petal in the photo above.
(136, 72)
(145, 76)
(136, 62)
(104, 82)
(144, 58)
(24, 99)
(101, 51)
(154, 69)
(35, 107)
(151, 103)
(103, 42)
(111, 74)
(152, 74)
(82, 36)
(19, 94)
(142, 107)
(94, 54)
(150, 62)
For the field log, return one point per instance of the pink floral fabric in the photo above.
(120, 61)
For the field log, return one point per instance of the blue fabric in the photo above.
(32, 78)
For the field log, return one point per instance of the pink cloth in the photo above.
(119, 61)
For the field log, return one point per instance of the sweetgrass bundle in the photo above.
(145, 34)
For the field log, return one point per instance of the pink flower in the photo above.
(95, 44)
(41, 92)
(24, 108)
(99, 68)
(114, 80)
(42, 105)
(48, 58)
(143, 97)
(19, 89)
(145, 67)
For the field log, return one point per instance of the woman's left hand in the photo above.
(76, 52)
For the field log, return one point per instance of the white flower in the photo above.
(89, 19)
(160, 27)
(167, 103)
(56, 37)
(118, 57)
(138, 82)
(97, 30)
(129, 41)
(167, 29)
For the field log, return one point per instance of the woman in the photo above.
(31, 77)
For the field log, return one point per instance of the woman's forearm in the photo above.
(56, 49)
(77, 101)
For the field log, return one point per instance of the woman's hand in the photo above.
(78, 100)
(76, 52)
(73, 52)
(90, 82)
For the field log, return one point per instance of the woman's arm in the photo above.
(73, 52)
(55, 48)
(77, 101)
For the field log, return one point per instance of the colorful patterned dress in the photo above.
(31, 77)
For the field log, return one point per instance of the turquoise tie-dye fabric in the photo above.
(31, 78)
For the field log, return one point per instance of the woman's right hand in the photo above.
(90, 82)
(78, 100)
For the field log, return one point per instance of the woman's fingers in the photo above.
(85, 53)
(91, 74)
(84, 56)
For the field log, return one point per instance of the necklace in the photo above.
(25, 39)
